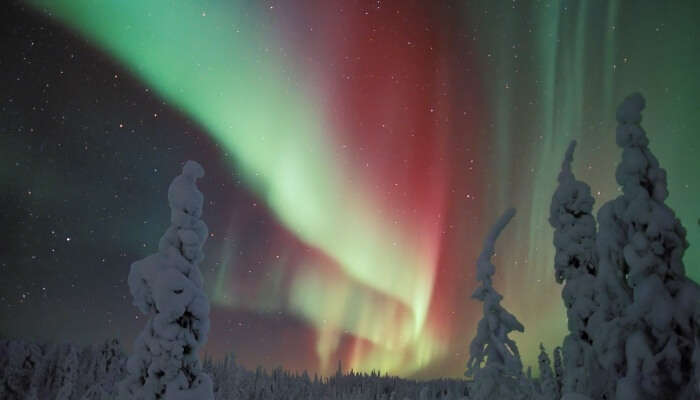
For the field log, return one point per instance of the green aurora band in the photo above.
(224, 75)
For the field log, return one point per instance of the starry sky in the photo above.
(356, 153)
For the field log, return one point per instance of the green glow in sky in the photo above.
(222, 67)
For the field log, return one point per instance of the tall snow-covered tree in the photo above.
(612, 296)
(164, 363)
(571, 216)
(658, 324)
(494, 359)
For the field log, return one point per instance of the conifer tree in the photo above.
(165, 363)
(68, 374)
(18, 361)
(548, 384)
(558, 369)
(494, 360)
(657, 324)
(575, 266)
(39, 375)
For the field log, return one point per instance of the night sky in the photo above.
(356, 153)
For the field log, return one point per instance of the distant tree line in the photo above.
(30, 371)
(68, 372)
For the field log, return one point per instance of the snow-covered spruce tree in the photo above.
(548, 383)
(658, 325)
(106, 368)
(575, 396)
(558, 369)
(570, 215)
(494, 360)
(164, 363)
(68, 374)
(110, 365)
(87, 368)
(38, 378)
(53, 354)
(695, 379)
(18, 361)
(612, 295)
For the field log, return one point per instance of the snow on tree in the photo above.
(87, 368)
(612, 295)
(548, 383)
(17, 363)
(39, 377)
(574, 263)
(68, 374)
(244, 384)
(575, 396)
(424, 395)
(110, 364)
(53, 354)
(164, 363)
(106, 368)
(658, 324)
(558, 369)
(494, 360)
(695, 380)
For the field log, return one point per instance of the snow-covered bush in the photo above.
(165, 363)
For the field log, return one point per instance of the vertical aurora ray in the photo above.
(564, 111)
(606, 67)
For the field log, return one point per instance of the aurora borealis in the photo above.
(361, 150)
